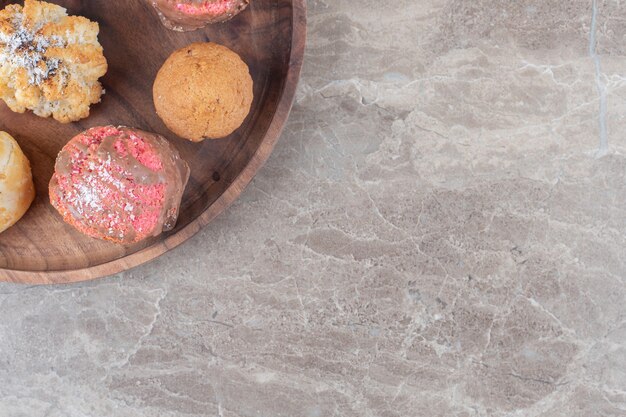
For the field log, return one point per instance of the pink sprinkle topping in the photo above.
(150, 197)
(120, 148)
(101, 194)
(97, 134)
(214, 8)
(144, 153)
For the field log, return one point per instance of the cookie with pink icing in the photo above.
(185, 15)
(119, 184)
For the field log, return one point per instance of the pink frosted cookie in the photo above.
(119, 184)
(183, 15)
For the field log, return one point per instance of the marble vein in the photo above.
(604, 141)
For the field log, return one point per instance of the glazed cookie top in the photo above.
(50, 62)
(119, 184)
(185, 15)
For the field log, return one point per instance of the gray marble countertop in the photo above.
(440, 232)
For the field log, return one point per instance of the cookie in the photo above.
(16, 182)
(184, 15)
(119, 184)
(203, 91)
(50, 62)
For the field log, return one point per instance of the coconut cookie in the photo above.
(16, 182)
(50, 62)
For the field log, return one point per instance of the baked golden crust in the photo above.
(16, 182)
(203, 91)
(50, 62)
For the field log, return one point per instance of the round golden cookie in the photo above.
(17, 191)
(203, 91)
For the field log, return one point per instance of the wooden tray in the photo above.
(269, 36)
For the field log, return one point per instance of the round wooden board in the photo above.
(269, 36)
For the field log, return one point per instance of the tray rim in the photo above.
(239, 184)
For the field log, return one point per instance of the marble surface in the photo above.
(440, 232)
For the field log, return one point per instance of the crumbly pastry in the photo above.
(184, 15)
(203, 91)
(16, 182)
(50, 62)
(119, 184)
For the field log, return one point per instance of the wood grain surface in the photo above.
(270, 38)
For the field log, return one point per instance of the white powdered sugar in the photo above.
(26, 48)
